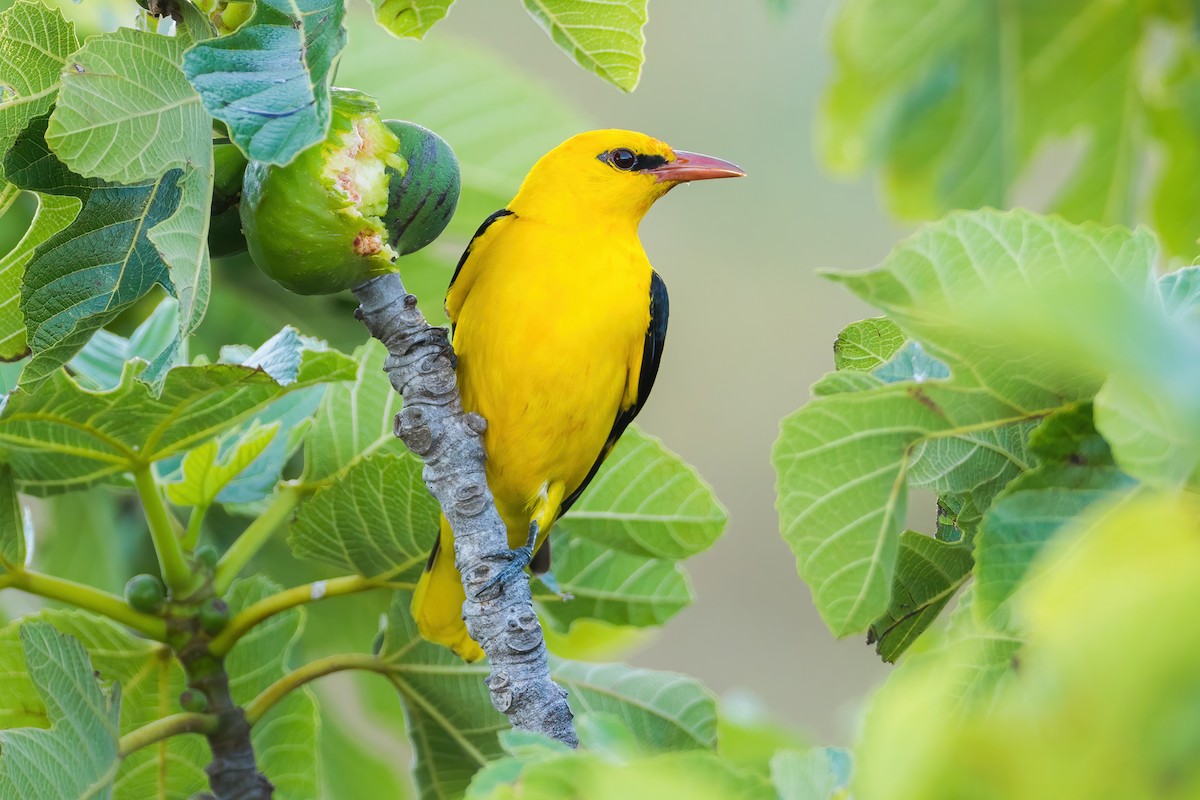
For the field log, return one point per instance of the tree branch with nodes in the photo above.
(434, 426)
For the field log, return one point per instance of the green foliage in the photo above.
(410, 17)
(77, 756)
(955, 101)
(37, 41)
(601, 36)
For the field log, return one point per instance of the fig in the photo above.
(343, 210)
(144, 593)
(225, 227)
(193, 700)
(214, 615)
(206, 555)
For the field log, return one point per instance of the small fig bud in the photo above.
(145, 593)
(206, 555)
(193, 700)
(214, 615)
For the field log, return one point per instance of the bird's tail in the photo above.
(438, 601)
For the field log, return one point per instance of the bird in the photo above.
(558, 323)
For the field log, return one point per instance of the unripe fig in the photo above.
(214, 615)
(225, 227)
(144, 593)
(193, 700)
(314, 225)
(206, 554)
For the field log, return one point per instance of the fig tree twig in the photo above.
(420, 365)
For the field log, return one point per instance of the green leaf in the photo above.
(205, 475)
(37, 41)
(928, 573)
(285, 739)
(953, 99)
(77, 757)
(822, 773)
(354, 420)
(1181, 292)
(377, 518)
(127, 114)
(269, 82)
(411, 18)
(102, 360)
(864, 345)
(1175, 123)
(53, 214)
(1077, 473)
(646, 500)
(64, 436)
(602, 36)
(846, 460)
(611, 585)
(12, 524)
(454, 727)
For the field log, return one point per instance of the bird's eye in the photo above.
(623, 158)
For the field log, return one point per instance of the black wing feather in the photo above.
(652, 348)
(487, 223)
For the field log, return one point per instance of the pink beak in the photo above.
(695, 167)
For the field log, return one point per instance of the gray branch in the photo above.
(433, 424)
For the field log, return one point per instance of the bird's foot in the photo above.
(518, 560)
(550, 582)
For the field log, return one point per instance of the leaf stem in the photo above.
(89, 598)
(175, 724)
(259, 706)
(279, 602)
(191, 536)
(255, 536)
(175, 570)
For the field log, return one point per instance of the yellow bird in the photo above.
(558, 323)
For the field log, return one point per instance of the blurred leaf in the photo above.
(64, 436)
(37, 41)
(12, 524)
(1175, 123)
(646, 500)
(378, 517)
(749, 734)
(1058, 726)
(822, 773)
(269, 81)
(594, 640)
(611, 585)
(102, 360)
(354, 420)
(1181, 292)
(53, 214)
(864, 345)
(602, 36)
(1077, 472)
(845, 461)
(953, 99)
(127, 114)
(410, 17)
(77, 756)
(285, 740)
(205, 475)
(928, 573)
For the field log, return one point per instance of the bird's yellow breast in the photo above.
(549, 330)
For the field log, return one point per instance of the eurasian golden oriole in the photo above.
(558, 324)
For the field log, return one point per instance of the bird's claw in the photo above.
(518, 560)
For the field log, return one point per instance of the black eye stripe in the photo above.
(618, 158)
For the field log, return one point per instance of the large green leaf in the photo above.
(77, 757)
(646, 500)
(64, 436)
(409, 17)
(953, 99)
(454, 727)
(12, 524)
(269, 82)
(846, 460)
(602, 36)
(377, 518)
(37, 41)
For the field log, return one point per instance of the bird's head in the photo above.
(610, 175)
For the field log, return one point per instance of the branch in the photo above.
(175, 570)
(257, 534)
(434, 426)
(89, 599)
(279, 602)
(257, 708)
(186, 722)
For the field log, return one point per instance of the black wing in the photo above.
(487, 223)
(652, 348)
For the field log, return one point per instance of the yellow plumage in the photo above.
(555, 307)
